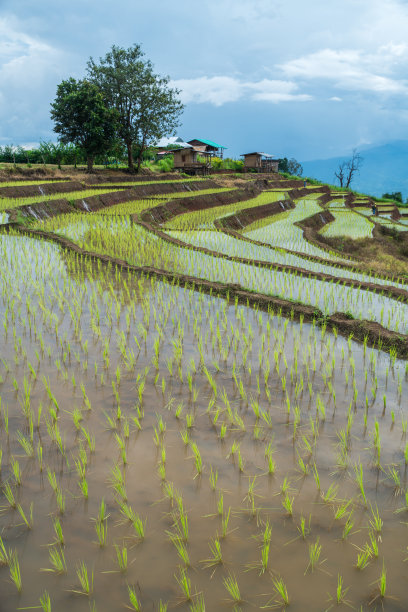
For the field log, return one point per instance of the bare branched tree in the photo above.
(348, 169)
(340, 173)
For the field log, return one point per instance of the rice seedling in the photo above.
(57, 561)
(181, 549)
(28, 521)
(363, 558)
(198, 605)
(231, 585)
(184, 583)
(381, 586)
(281, 597)
(341, 592)
(133, 599)
(122, 557)
(304, 528)
(213, 477)
(216, 558)
(15, 467)
(376, 522)
(287, 504)
(15, 573)
(349, 524)
(85, 579)
(4, 553)
(58, 531)
(315, 550)
(9, 495)
(101, 528)
(60, 499)
(225, 522)
(358, 470)
(45, 602)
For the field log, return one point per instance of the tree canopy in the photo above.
(83, 118)
(147, 107)
(291, 166)
(395, 195)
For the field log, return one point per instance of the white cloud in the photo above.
(354, 69)
(29, 71)
(220, 90)
(215, 90)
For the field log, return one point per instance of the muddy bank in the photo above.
(40, 210)
(250, 215)
(141, 191)
(324, 199)
(317, 221)
(165, 212)
(27, 191)
(285, 184)
(375, 335)
(52, 208)
(94, 179)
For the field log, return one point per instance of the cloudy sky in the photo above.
(309, 80)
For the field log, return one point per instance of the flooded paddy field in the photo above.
(162, 448)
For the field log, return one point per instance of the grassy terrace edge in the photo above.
(372, 333)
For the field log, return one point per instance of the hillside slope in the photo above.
(384, 169)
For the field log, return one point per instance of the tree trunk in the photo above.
(140, 156)
(90, 162)
(131, 167)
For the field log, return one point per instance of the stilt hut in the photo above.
(260, 162)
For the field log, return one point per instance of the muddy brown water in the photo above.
(37, 276)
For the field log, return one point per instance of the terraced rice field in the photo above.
(178, 443)
(282, 232)
(348, 223)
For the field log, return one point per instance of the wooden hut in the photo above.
(187, 160)
(260, 162)
(208, 146)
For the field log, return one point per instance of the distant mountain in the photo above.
(384, 169)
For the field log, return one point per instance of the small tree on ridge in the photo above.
(82, 117)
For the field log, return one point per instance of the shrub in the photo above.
(166, 164)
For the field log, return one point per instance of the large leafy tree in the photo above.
(148, 108)
(82, 117)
